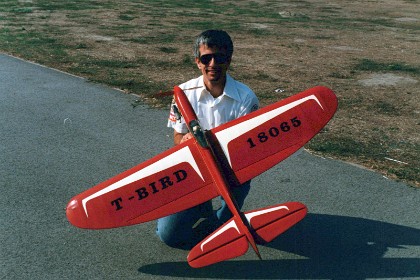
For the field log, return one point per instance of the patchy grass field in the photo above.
(366, 51)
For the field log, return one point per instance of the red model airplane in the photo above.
(209, 165)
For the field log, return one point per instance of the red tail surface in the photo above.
(272, 221)
(229, 241)
(225, 243)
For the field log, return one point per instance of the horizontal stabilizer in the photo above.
(272, 221)
(225, 243)
(228, 242)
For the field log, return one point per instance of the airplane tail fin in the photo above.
(229, 242)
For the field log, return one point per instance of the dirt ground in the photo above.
(366, 51)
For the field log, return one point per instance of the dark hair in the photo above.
(214, 38)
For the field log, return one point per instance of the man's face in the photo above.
(214, 71)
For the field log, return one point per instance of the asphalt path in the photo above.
(61, 134)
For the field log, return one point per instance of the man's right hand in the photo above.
(181, 137)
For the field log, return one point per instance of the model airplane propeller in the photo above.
(209, 165)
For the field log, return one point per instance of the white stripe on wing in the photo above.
(183, 155)
(233, 132)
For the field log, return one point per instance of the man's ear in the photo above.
(197, 61)
(228, 62)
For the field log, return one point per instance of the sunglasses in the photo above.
(219, 58)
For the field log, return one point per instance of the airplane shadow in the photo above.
(328, 247)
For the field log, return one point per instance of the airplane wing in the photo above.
(229, 242)
(173, 181)
(256, 142)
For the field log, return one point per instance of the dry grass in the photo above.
(366, 51)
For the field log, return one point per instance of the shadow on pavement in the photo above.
(332, 247)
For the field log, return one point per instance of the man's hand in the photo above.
(181, 137)
(186, 137)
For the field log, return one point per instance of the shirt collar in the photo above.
(230, 89)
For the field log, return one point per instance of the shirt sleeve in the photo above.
(251, 104)
(179, 125)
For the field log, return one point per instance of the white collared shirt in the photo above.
(237, 100)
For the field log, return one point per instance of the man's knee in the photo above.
(173, 235)
(168, 238)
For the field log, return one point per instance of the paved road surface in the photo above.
(60, 135)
